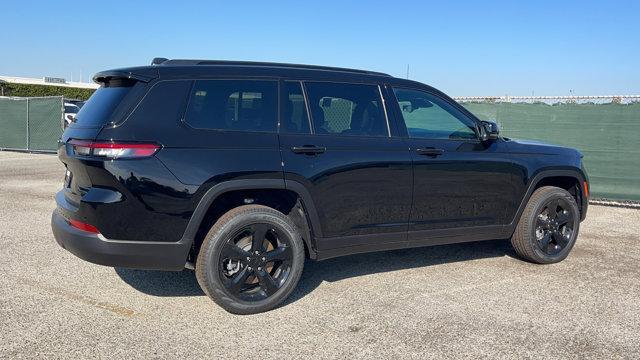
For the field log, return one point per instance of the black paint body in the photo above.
(360, 194)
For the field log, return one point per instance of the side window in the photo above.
(294, 116)
(428, 116)
(346, 109)
(246, 105)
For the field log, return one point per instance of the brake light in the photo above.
(83, 226)
(114, 150)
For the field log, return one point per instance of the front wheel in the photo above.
(548, 227)
(251, 259)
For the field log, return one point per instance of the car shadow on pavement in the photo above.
(379, 262)
(162, 283)
(184, 283)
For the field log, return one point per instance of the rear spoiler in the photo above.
(142, 74)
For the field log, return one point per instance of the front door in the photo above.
(462, 186)
(359, 178)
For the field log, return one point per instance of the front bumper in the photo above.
(584, 208)
(119, 253)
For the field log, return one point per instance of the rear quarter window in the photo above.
(242, 105)
(159, 114)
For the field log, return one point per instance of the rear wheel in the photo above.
(548, 227)
(251, 259)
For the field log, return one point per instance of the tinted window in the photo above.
(101, 105)
(246, 105)
(294, 115)
(71, 109)
(346, 109)
(160, 112)
(429, 116)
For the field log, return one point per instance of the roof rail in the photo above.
(188, 62)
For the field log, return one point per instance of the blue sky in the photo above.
(461, 47)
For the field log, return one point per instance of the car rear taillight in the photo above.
(83, 226)
(113, 150)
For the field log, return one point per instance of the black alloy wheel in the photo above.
(548, 227)
(255, 262)
(251, 259)
(554, 226)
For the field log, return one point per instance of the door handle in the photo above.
(308, 149)
(433, 152)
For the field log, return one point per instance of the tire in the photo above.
(234, 274)
(538, 237)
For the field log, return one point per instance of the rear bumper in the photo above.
(118, 253)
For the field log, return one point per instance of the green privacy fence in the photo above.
(30, 123)
(605, 129)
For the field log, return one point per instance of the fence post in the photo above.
(28, 137)
(62, 114)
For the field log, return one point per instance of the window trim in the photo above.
(432, 93)
(183, 120)
(384, 109)
(312, 129)
(281, 103)
(380, 94)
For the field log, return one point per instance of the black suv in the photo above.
(241, 170)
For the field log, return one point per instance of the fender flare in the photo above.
(252, 184)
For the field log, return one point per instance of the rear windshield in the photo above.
(98, 110)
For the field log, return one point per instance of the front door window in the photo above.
(430, 117)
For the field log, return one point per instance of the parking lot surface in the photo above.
(457, 301)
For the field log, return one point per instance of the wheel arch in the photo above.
(225, 195)
(562, 178)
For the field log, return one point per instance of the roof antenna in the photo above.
(158, 60)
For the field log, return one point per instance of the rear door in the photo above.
(338, 147)
(462, 186)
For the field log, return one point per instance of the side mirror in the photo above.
(489, 131)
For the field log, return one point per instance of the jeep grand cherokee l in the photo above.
(242, 170)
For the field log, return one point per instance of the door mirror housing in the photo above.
(489, 131)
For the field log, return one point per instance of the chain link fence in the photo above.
(33, 124)
(337, 114)
(605, 129)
